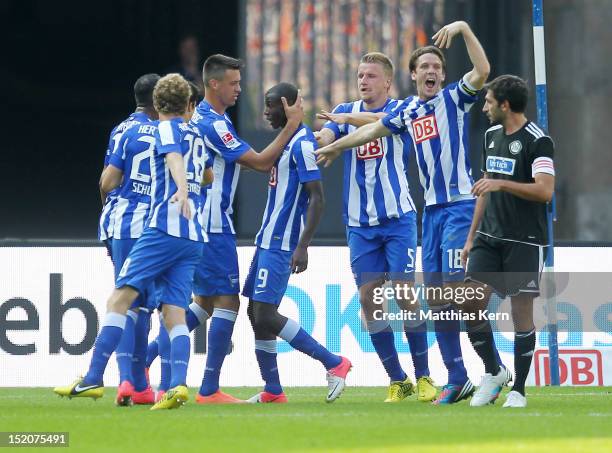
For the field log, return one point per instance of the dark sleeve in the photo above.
(542, 147)
(541, 156)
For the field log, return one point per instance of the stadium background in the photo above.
(68, 70)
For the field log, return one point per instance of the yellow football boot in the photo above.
(173, 398)
(425, 389)
(80, 390)
(399, 390)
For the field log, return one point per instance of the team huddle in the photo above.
(171, 172)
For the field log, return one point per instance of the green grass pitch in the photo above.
(557, 419)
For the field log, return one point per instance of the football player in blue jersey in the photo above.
(295, 195)
(129, 169)
(216, 282)
(438, 123)
(143, 96)
(129, 172)
(381, 221)
(161, 345)
(134, 208)
(168, 249)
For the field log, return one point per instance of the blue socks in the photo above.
(164, 356)
(219, 337)
(417, 340)
(179, 354)
(141, 334)
(383, 341)
(265, 351)
(448, 336)
(125, 349)
(152, 352)
(106, 343)
(195, 316)
(299, 339)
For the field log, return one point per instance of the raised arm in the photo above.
(356, 119)
(324, 137)
(264, 160)
(336, 123)
(361, 136)
(443, 38)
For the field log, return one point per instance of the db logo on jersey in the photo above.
(425, 128)
(372, 150)
(228, 139)
(272, 182)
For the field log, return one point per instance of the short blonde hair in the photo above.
(381, 59)
(171, 94)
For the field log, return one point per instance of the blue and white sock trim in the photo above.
(289, 331)
(178, 330)
(268, 346)
(113, 319)
(223, 313)
(199, 312)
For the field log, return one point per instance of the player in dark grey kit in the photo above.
(508, 237)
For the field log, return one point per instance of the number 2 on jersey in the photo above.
(144, 156)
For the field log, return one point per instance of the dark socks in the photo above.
(524, 346)
(482, 340)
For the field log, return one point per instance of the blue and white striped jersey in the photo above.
(375, 181)
(439, 129)
(105, 224)
(132, 156)
(176, 136)
(287, 203)
(225, 147)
